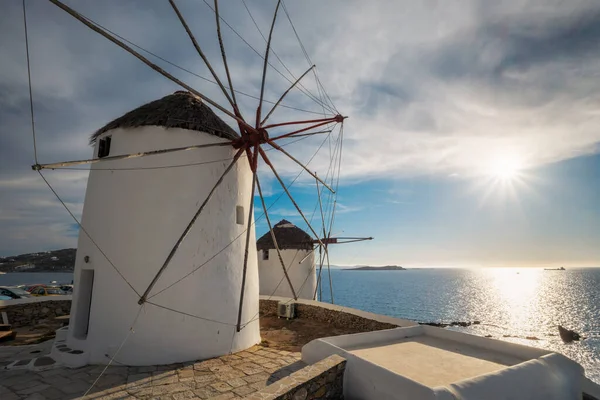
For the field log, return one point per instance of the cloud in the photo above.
(32, 218)
(344, 209)
(512, 87)
(430, 88)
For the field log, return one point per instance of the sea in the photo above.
(26, 278)
(520, 305)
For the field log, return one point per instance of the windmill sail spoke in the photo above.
(224, 56)
(329, 273)
(310, 133)
(155, 67)
(292, 134)
(283, 95)
(320, 204)
(254, 165)
(319, 287)
(126, 156)
(336, 118)
(306, 256)
(268, 162)
(350, 240)
(206, 205)
(264, 73)
(266, 213)
(189, 227)
(332, 219)
(275, 145)
(201, 53)
(324, 234)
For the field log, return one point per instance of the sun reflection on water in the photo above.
(517, 292)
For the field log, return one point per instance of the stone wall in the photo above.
(337, 319)
(322, 380)
(30, 314)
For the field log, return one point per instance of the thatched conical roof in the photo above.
(178, 110)
(288, 236)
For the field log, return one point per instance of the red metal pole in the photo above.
(300, 131)
(337, 118)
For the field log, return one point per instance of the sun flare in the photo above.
(505, 168)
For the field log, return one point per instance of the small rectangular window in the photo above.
(239, 215)
(104, 147)
(265, 254)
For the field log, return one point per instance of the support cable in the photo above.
(254, 167)
(87, 234)
(203, 56)
(302, 137)
(268, 162)
(318, 81)
(29, 81)
(137, 55)
(112, 359)
(274, 239)
(332, 170)
(264, 73)
(224, 56)
(285, 94)
(297, 251)
(300, 86)
(128, 156)
(188, 314)
(324, 235)
(187, 70)
(294, 159)
(240, 235)
(188, 228)
(333, 210)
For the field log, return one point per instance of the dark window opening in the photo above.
(265, 254)
(104, 147)
(239, 215)
(82, 321)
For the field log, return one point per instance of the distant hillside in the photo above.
(45, 261)
(386, 268)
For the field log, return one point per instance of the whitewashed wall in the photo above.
(541, 375)
(136, 217)
(271, 273)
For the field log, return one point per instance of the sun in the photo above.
(502, 177)
(505, 168)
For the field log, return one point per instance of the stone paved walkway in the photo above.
(9, 354)
(227, 377)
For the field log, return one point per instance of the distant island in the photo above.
(385, 268)
(45, 261)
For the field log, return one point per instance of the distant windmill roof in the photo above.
(288, 236)
(178, 110)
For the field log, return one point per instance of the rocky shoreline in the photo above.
(453, 323)
(566, 335)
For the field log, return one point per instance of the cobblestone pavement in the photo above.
(227, 377)
(9, 354)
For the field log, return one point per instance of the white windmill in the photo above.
(291, 246)
(166, 246)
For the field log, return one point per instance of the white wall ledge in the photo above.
(334, 307)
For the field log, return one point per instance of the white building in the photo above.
(135, 210)
(298, 256)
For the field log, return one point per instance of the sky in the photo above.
(472, 138)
